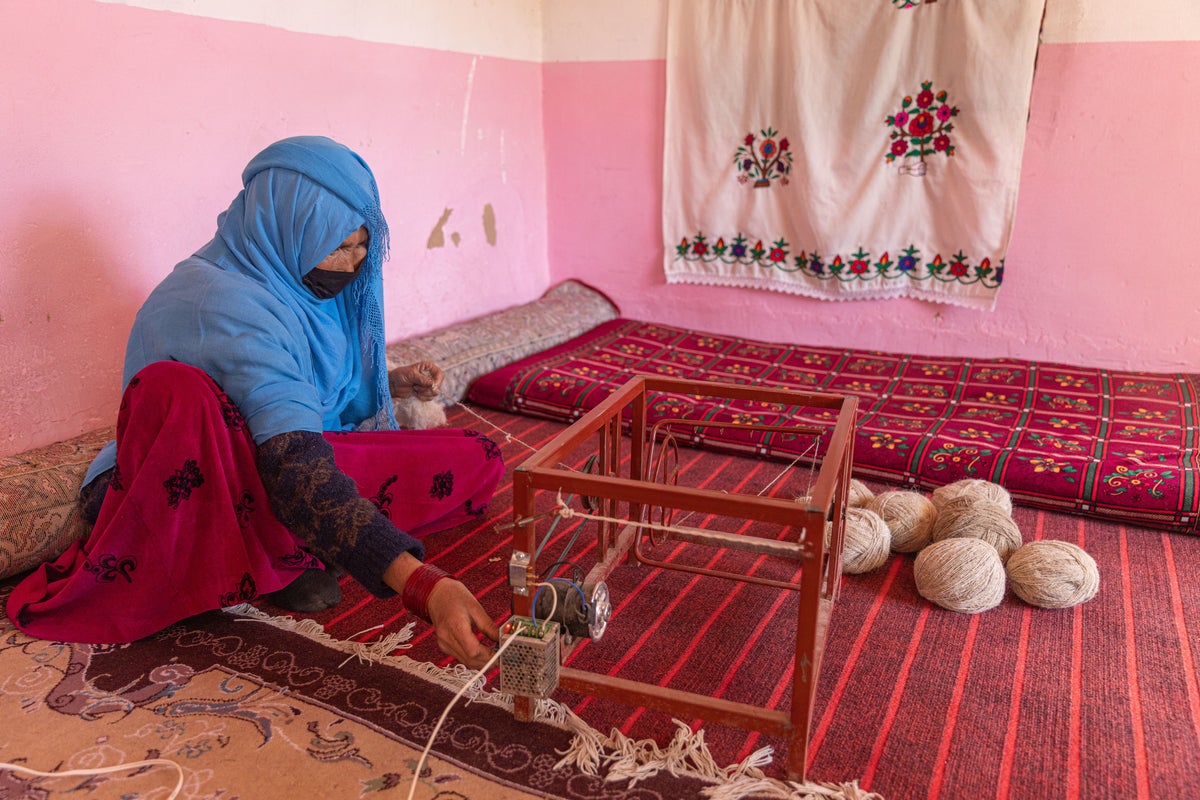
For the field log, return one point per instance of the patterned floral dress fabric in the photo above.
(187, 525)
(846, 149)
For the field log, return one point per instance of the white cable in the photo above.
(553, 605)
(483, 670)
(78, 773)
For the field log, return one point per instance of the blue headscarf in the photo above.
(238, 310)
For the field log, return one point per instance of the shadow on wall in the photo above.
(66, 306)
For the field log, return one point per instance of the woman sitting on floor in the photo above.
(255, 424)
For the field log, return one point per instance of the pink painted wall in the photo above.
(123, 133)
(1101, 270)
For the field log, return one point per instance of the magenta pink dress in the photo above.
(187, 527)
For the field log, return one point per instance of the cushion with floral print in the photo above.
(469, 349)
(39, 515)
(1111, 444)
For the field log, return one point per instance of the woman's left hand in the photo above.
(423, 379)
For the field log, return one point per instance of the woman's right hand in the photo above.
(457, 619)
(456, 614)
(423, 379)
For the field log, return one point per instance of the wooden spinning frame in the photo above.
(648, 489)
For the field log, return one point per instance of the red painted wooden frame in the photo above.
(623, 413)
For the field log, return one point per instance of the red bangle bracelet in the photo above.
(419, 586)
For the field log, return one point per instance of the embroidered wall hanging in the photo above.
(846, 149)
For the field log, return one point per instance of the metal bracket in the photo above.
(518, 571)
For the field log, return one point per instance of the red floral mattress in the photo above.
(1103, 443)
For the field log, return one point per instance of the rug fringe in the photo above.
(615, 757)
(451, 678)
(624, 759)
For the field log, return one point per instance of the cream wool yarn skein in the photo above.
(969, 517)
(858, 493)
(419, 415)
(963, 575)
(909, 516)
(868, 543)
(1053, 574)
(975, 488)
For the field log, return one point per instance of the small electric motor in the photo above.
(582, 612)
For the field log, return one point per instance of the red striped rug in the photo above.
(1098, 701)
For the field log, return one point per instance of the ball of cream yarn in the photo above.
(858, 493)
(1053, 574)
(976, 518)
(418, 415)
(974, 488)
(909, 516)
(868, 543)
(963, 575)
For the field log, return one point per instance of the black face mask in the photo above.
(327, 283)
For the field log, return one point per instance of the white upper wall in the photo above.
(612, 30)
(502, 28)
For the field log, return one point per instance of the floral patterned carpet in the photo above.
(247, 709)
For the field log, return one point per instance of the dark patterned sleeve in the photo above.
(321, 505)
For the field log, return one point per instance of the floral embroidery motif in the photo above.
(244, 509)
(949, 455)
(245, 592)
(857, 266)
(179, 486)
(565, 385)
(887, 441)
(672, 406)
(918, 408)
(232, 415)
(872, 366)
(443, 485)
(901, 422)
(383, 498)
(1131, 480)
(1134, 432)
(1077, 405)
(1050, 464)
(1074, 382)
(108, 567)
(921, 128)
(994, 414)
(491, 450)
(935, 390)
(975, 433)
(1142, 387)
(996, 374)
(1002, 399)
(762, 161)
(1056, 442)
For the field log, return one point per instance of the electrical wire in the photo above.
(553, 606)
(482, 671)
